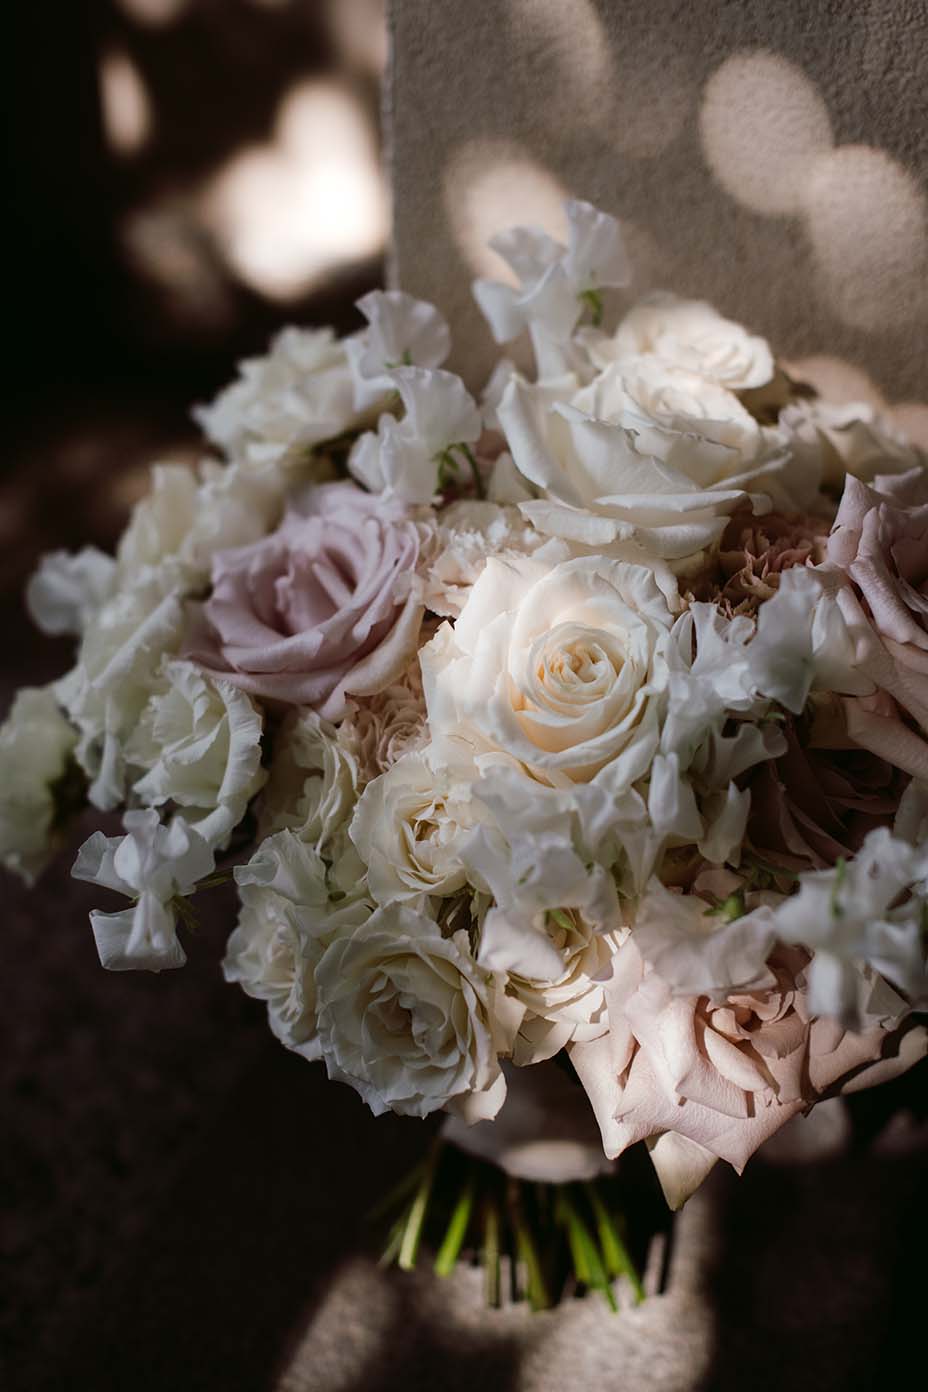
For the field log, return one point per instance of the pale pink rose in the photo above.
(324, 607)
(702, 1081)
(880, 542)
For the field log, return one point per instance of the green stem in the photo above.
(412, 1231)
(615, 1253)
(491, 1226)
(475, 470)
(450, 1248)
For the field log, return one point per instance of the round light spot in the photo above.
(492, 185)
(763, 124)
(867, 221)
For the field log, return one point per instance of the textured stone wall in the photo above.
(770, 155)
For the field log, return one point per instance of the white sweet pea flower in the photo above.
(555, 282)
(403, 331)
(313, 783)
(68, 589)
(409, 824)
(300, 394)
(701, 951)
(557, 666)
(152, 865)
(406, 459)
(285, 923)
(810, 634)
(557, 967)
(597, 489)
(188, 515)
(850, 917)
(118, 669)
(408, 1018)
(687, 336)
(199, 740)
(36, 747)
(535, 848)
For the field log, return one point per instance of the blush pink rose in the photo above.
(324, 607)
(703, 1081)
(880, 542)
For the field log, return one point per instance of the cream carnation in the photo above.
(36, 746)
(558, 666)
(406, 1017)
(379, 730)
(300, 394)
(199, 741)
(313, 783)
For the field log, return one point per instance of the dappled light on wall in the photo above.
(153, 13)
(288, 212)
(484, 182)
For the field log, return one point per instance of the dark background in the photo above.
(177, 1189)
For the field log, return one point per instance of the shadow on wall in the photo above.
(774, 164)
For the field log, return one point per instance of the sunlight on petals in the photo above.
(837, 381)
(763, 124)
(124, 102)
(287, 213)
(492, 185)
(867, 221)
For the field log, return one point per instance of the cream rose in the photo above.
(36, 745)
(409, 824)
(285, 924)
(199, 741)
(557, 965)
(407, 1018)
(557, 666)
(600, 487)
(687, 336)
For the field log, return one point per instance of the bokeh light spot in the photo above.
(124, 102)
(763, 124)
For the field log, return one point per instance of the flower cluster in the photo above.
(591, 717)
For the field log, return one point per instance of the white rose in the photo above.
(117, 671)
(313, 784)
(468, 534)
(558, 667)
(687, 336)
(186, 517)
(558, 966)
(67, 590)
(599, 491)
(300, 394)
(409, 824)
(36, 745)
(408, 1018)
(199, 740)
(285, 923)
(834, 441)
(379, 730)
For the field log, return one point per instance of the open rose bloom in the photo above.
(585, 722)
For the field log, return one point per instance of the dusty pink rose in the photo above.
(702, 1082)
(880, 542)
(816, 803)
(324, 607)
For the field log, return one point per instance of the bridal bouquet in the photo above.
(589, 720)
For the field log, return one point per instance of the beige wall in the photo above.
(770, 155)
